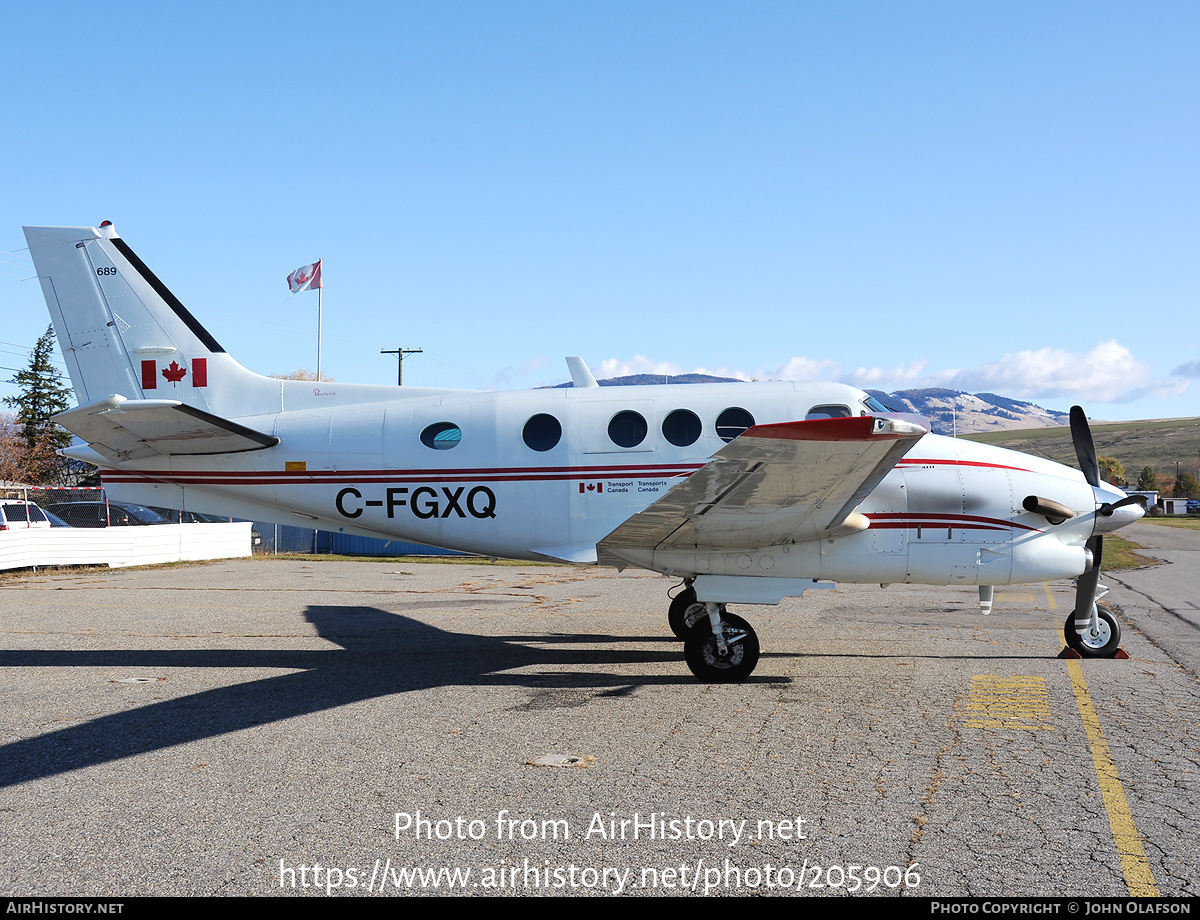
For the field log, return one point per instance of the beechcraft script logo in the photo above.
(175, 373)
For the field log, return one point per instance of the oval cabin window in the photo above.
(441, 435)
(542, 432)
(732, 422)
(627, 429)
(682, 427)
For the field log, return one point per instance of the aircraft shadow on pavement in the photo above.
(380, 654)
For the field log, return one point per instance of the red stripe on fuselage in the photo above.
(894, 519)
(914, 461)
(337, 477)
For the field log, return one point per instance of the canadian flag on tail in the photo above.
(305, 278)
(174, 373)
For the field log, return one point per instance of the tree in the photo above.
(1186, 485)
(1111, 470)
(21, 464)
(1147, 480)
(43, 395)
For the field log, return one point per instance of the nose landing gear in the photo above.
(1098, 636)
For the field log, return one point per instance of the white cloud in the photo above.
(638, 364)
(899, 377)
(803, 369)
(508, 374)
(1108, 373)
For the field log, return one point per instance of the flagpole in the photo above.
(305, 278)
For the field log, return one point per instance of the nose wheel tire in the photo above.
(676, 614)
(1100, 642)
(705, 660)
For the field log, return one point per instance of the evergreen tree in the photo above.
(43, 395)
(1147, 480)
(1186, 485)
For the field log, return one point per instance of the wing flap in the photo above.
(775, 484)
(122, 429)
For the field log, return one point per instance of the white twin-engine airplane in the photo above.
(749, 493)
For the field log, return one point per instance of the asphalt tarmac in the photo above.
(266, 727)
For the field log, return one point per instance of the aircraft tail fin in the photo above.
(122, 331)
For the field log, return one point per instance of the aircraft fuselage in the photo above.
(949, 512)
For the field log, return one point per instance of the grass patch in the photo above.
(1119, 553)
(1181, 523)
(100, 568)
(406, 560)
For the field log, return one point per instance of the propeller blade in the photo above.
(1108, 508)
(1085, 585)
(1085, 449)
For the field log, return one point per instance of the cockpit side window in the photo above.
(828, 412)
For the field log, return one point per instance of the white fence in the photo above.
(121, 546)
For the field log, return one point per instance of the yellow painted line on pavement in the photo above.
(1008, 702)
(1134, 864)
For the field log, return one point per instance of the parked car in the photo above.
(199, 517)
(175, 516)
(99, 514)
(55, 520)
(16, 514)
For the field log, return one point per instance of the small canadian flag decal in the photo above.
(591, 487)
(175, 373)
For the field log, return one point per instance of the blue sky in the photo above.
(988, 196)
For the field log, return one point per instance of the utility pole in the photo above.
(400, 353)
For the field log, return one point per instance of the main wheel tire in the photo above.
(676, 615)
(700, 651)
(1101, 644)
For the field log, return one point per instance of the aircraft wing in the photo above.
(130, 429)
(775, 484)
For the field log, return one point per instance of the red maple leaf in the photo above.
(174, 373)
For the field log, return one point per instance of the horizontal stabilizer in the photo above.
(130, 429)
(775, 484)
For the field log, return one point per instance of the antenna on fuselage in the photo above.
(580, 375)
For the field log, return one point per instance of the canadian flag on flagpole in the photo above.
(305, 278)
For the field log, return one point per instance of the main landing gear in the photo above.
(677, 613)
(719, 647)
(1098, 636)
